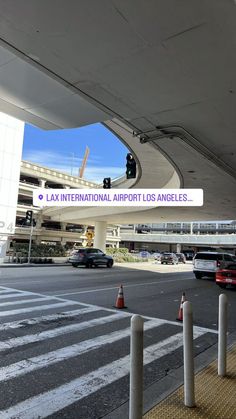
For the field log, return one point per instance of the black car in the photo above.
(169, 258)
(89, 257)
(143, 229)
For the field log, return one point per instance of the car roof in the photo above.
(215, 253)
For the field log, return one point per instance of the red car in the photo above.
(226, 276)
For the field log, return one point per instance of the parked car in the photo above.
(156, 256)
(226, 276)
(208, 263)
(189, 254)
(181, 257)
(169, 258)
(89, 257)
(143, 229)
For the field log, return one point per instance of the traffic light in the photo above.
(28, 217)
(107, 183)
(130, 166)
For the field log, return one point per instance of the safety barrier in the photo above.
(136, 356)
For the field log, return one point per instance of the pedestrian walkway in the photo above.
(214, 396)
(61, 358)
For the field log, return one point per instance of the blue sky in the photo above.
(64, 150)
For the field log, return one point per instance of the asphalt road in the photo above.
(66, 348)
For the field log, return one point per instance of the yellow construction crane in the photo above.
(82, 168)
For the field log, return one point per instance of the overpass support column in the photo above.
(3, 248)
(191, 228)
(178, 248)
(100, 235)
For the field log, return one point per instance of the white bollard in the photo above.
(222, 336)
(189, 396)
(136, 368)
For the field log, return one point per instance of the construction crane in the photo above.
(82, 168)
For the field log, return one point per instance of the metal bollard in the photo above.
(189, 396)
(136, 368)
(222, 337)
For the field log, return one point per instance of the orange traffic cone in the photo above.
(180, 313)
(120, 302)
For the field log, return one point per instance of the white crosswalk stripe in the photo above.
(37, 320)
(37, 362)
(37, 308)
(38, 337)
(13, 295)
(31, 300)
(93, 329)
(52, 401)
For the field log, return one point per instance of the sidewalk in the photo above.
(215, 396)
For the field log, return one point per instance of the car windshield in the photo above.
(209, 256)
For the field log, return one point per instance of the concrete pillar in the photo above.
(3, 248)
(39, 220)
(191, 228)
(63, 226)
(178, 248)
(42, 183)
(37, 240)
(100, 231)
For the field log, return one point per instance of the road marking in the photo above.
(124, 285)
(49, 334)
(23, 294)
(71, 302)
(38, 308)
(52, 401)
(59, 355)
(32, 300)
(7, 291)
(51, 317)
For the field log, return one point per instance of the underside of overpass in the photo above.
(160, 75)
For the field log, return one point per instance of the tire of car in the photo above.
(109, 263)
(89, 264)
(198, 275)
(75, 265)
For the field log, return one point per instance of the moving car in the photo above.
(181, 257)
(89, 257)
(226, 276)
(208, 263)
(169, 258)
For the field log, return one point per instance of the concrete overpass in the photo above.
(160, 75)
(219, 240)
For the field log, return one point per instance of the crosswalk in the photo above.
(61, 358)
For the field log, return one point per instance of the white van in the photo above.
(207, 263)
